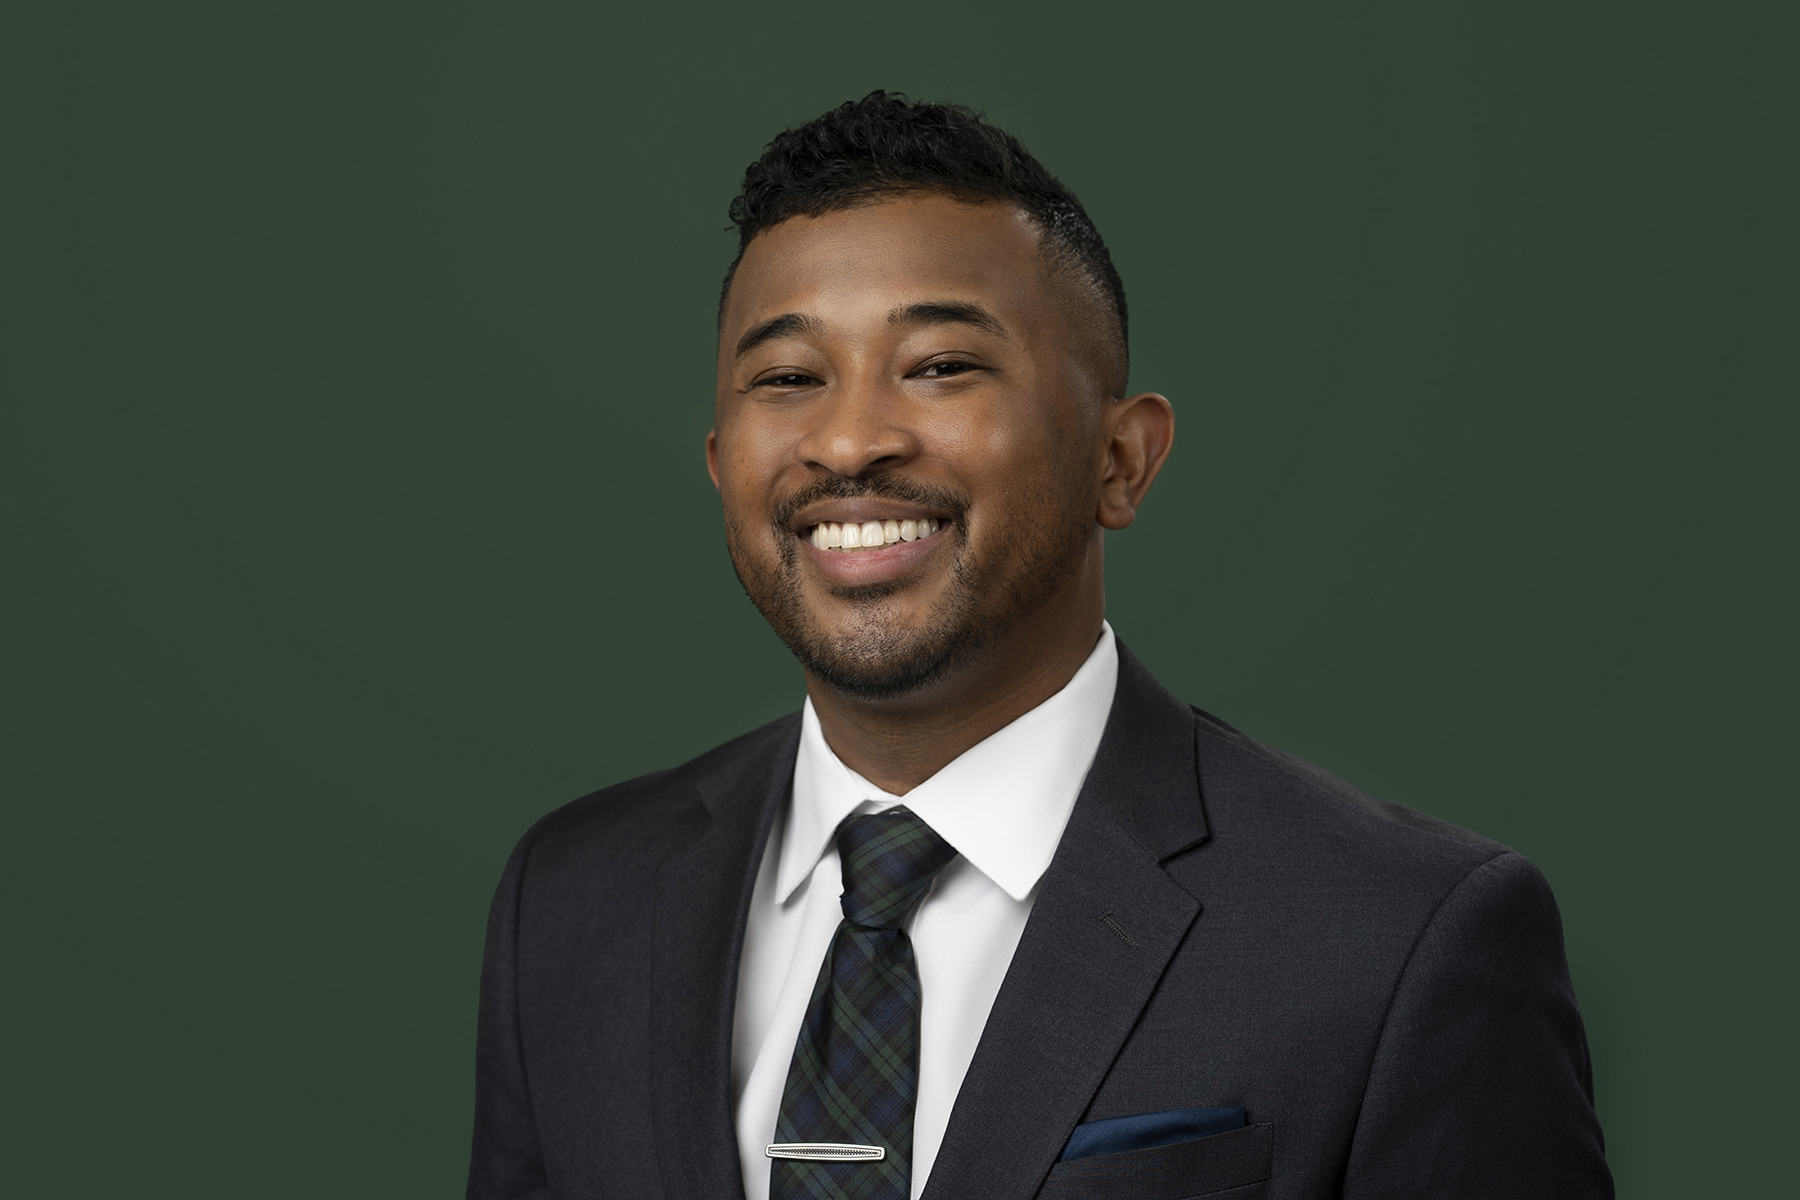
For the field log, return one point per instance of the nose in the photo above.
(859, 429)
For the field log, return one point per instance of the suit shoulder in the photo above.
(1257, 789)
(646, 799)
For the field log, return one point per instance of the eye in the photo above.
(786, 380)
(945, 369)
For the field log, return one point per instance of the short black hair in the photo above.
(886, 145)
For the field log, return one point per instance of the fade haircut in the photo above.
(885, 145)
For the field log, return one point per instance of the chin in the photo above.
(876, 652)
(883, 667)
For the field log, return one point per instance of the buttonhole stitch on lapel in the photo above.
(1113, 924)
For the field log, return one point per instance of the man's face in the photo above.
(908, 366)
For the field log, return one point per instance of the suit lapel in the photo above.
(1106, 922)
(703, 894)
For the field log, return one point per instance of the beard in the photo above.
(881, 656)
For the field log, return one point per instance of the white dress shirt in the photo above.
(1002, 804)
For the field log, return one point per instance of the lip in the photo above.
(860, 568)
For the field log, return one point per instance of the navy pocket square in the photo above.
(1146, 1130)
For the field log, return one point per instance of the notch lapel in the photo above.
(702, 899)
(1106, 922)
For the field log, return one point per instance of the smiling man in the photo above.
(994, 915)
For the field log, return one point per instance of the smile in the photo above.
(869, 535)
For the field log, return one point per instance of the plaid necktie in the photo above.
(855, 1074)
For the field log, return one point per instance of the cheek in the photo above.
(1021, 454)
(748, 457)
(755, 460)
(987, 442)
(740, 500)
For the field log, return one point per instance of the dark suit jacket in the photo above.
(1222, 925)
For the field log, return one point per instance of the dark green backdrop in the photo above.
(357, 367)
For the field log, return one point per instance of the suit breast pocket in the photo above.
(1235, 1165)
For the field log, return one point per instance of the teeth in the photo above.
(829, 535)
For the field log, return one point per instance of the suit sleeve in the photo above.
(1480, 1085)
(506, 1161)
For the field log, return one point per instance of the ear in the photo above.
(712, 455)
(1140, 431)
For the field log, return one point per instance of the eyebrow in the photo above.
(935, 312)
(948, 312)
(786, 325)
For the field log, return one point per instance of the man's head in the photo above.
(904, 342)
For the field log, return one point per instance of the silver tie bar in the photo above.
(824, 1152)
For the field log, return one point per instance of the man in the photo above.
(994, 915)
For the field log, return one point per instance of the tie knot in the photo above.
(889, 862)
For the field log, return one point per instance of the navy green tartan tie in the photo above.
(855, 1074)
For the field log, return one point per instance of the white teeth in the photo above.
(829, 535)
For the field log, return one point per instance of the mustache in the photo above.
(884, 487)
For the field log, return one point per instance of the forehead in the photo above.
(861, 263)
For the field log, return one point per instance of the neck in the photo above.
(897, 744)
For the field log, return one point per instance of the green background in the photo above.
(358, 364)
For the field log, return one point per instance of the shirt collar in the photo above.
(1002, 803)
